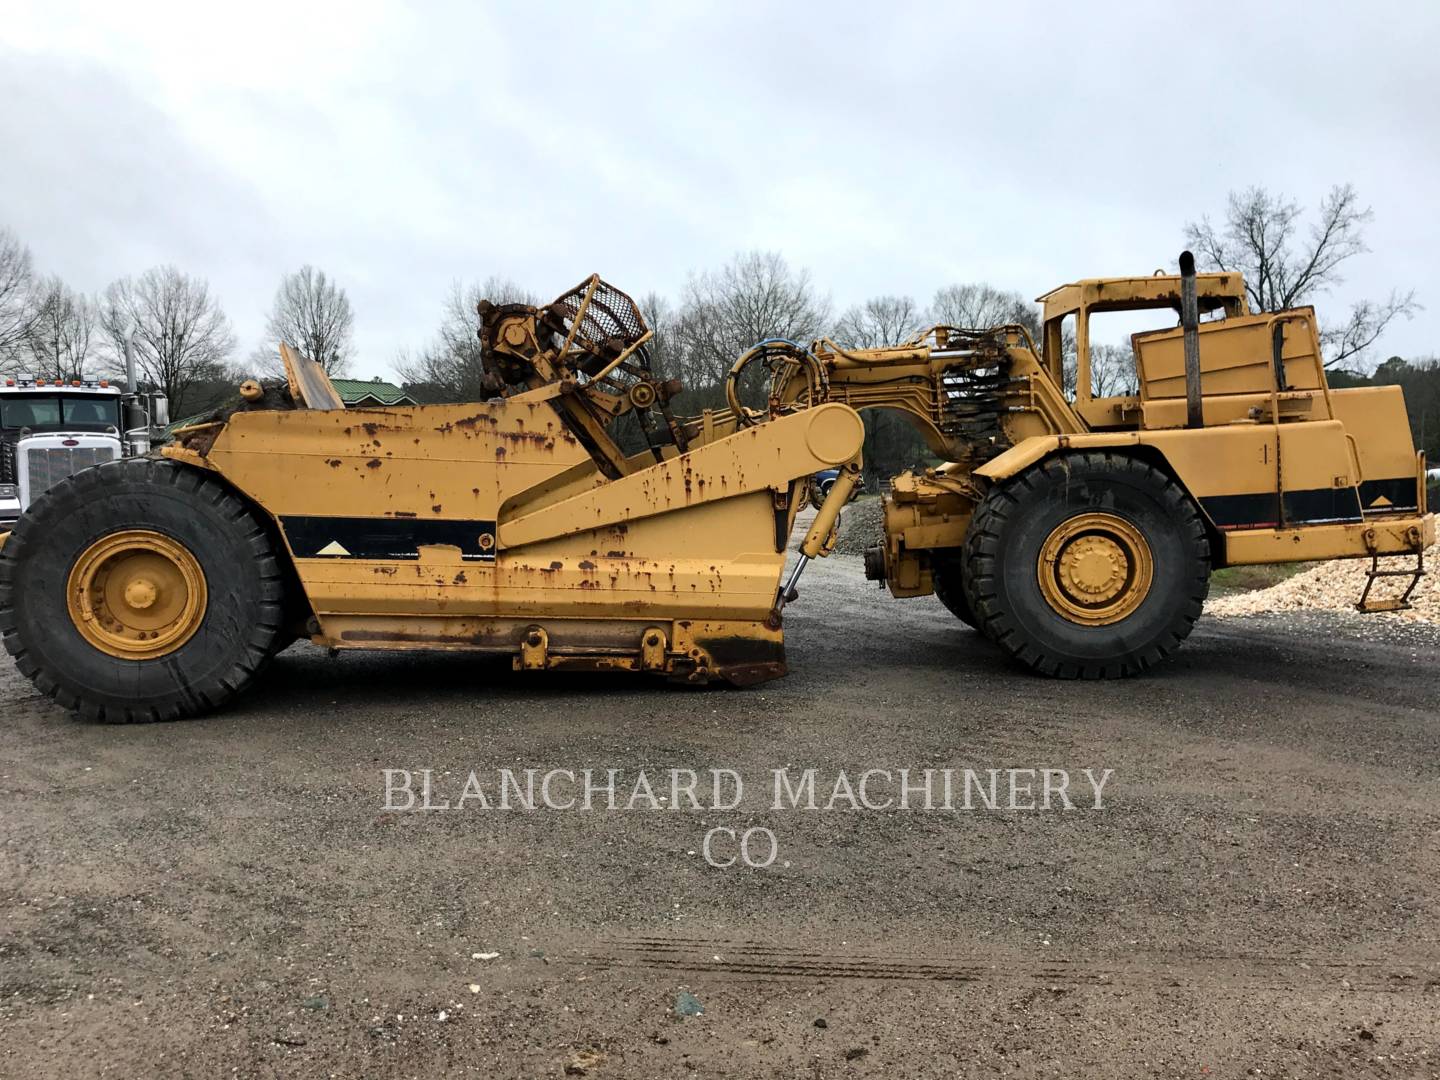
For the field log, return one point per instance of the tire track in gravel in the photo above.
(751, 959)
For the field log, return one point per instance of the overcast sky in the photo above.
(889, 148)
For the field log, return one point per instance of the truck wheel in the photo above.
(1087, 566)
(141, 590)
(948, 577)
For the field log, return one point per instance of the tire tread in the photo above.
(987, 536)
(75, 494)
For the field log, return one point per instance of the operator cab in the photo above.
(1219, 295)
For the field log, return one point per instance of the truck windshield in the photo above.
(91, 412)
(78, 413)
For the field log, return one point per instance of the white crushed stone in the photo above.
(1336, 586)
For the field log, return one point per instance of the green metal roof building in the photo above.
(363, 393)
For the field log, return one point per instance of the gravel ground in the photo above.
(1258, 895)
(1337, 586)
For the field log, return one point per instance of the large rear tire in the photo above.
(1091, 565)
(140, 590)
(948, 576)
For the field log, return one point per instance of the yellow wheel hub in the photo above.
(1095, 569)
(136, 594)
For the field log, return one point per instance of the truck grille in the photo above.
(48, 466)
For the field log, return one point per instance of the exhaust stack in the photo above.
(1190, 320)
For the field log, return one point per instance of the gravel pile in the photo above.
(862, 525)
(1336, 586)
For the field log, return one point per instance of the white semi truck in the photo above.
(51, 429)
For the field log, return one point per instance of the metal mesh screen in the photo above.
(612, 320)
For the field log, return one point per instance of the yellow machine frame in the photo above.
(1283, 467)
(519, 525)
(529, 530)
(1077, 531)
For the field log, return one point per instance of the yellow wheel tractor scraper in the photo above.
(575, 521)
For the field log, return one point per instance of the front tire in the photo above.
(140, 590)
(1092, 565)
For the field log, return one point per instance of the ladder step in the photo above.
(1390, 603)
(1370, 607)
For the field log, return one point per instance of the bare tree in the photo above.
(1285, 266)
(61, 338)
(978, 305)
(17, 301)
(892, 443)
(724, 312)
(181, 336)
(660, 316)
(449, 368)
(880, 321)
(1112, 371)
(1363, 326)
(312, 314)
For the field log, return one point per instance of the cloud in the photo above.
(890, 150)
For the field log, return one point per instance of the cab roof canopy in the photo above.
(1225, 290)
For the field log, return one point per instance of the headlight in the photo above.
(9, 491)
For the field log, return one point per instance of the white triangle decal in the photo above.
(1381, 501)
(332, 548)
